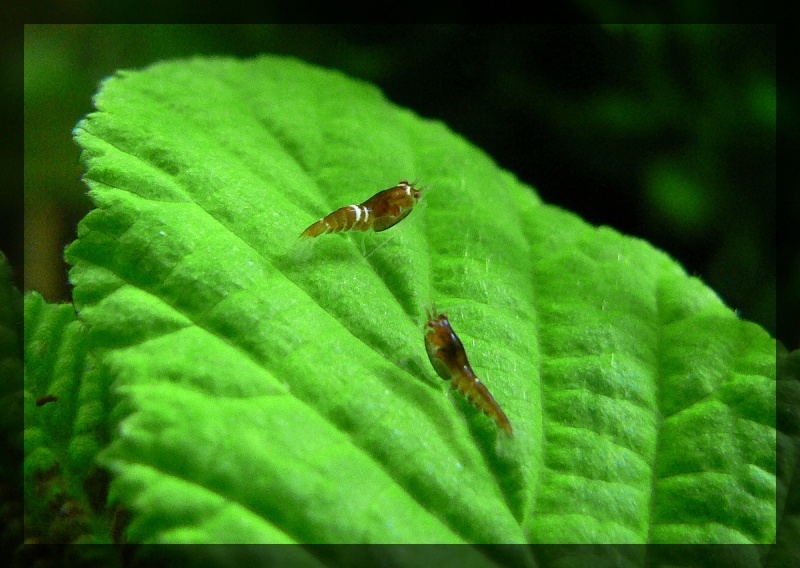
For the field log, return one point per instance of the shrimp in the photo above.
(449, 359)
(381, 211)
(41, 401)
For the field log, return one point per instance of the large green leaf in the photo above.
(280, 391)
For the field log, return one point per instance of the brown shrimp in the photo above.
(41, 401)
(381, 211)
(448, 357)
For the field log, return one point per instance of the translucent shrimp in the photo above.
(448, 357)
(381, 211)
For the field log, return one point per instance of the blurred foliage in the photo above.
(664, 132)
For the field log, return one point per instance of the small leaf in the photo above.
(10, 349)
(281, 392)
(65, 492)
(11, 374)
(786, 551)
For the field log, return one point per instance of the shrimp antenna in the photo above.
(431, 311)
(383, 244)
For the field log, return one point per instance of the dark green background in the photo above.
(663, 132)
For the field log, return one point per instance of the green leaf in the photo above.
(280, 392)
(10, 345)
(786, 552)
(66, 404)
(11, 374)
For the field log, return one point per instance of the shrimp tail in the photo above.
(352, 217)
(477, 393)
